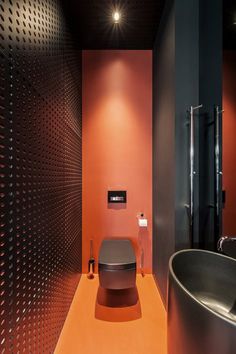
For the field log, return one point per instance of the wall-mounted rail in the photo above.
(218, 171)
(192, 173)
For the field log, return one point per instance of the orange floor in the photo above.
(91, 327)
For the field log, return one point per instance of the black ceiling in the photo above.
(229, 24)
(92, 22)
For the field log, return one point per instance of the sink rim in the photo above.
(193, 250)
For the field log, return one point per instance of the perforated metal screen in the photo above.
(40, 177)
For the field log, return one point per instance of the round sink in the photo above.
(201, 303)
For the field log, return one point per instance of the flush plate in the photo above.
(117, 197)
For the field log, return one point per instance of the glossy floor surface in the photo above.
(100, 323)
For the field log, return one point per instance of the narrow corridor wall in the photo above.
(117, 148)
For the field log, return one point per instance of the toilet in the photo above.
(117, 264)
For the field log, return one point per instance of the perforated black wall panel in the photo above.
(40, 177)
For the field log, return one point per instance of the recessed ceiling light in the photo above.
(116, 16)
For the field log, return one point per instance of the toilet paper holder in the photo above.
(142, 220)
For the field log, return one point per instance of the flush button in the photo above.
(117, 197)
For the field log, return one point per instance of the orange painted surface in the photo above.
(117, 148)
(84, 333)
(229, 142)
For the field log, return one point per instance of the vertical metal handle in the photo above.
(192, 172)
(218, 172)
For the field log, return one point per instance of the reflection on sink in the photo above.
(217, 305)
(201, 303)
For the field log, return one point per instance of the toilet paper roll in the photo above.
(142, 222)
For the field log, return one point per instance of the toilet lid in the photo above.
(117, 254)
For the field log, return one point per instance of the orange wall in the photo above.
(117, 147)
(229, 142)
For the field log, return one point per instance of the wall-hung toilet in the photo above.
(117, 264)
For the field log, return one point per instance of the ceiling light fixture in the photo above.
(116, 16)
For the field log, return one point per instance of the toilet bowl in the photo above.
(117, 264)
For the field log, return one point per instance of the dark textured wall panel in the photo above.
(40, 152)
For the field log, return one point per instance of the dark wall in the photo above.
(210, 95)
(40, 114)
(186, 94)
(183, 63)
(164, 147)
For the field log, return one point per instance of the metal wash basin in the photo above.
(201, 303)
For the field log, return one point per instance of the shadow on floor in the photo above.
(117, 305)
